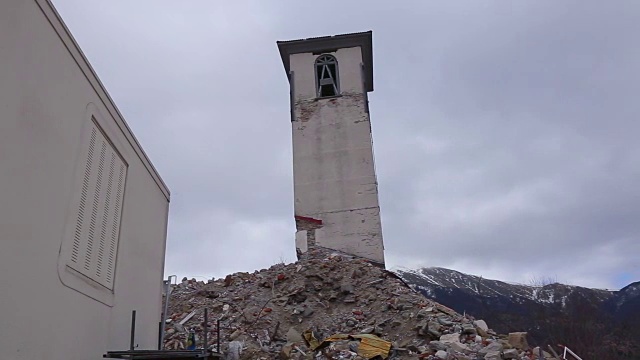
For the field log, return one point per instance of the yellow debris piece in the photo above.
(372, 346)
(330, 339)
(311, 340)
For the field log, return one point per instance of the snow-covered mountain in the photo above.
(442, 283)
(550, 312)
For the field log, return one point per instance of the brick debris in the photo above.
(330, 305)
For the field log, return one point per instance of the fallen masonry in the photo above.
(330, 306)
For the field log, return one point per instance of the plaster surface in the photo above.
(333, 165)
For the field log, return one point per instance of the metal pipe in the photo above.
(218, 338)
(167, 292)
(133, 330)
(206, 330)
(553, 351)
(566, 349)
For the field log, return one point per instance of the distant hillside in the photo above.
(580, 316)
(624, 304)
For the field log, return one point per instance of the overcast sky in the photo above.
(505, 132)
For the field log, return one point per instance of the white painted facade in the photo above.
(83, 213)
(333, 165)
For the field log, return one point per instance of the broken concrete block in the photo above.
(518, 340)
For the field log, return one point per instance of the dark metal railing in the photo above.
(203, 353)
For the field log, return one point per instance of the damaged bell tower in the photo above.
(336, 191)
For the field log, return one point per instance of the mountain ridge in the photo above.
(547, 311)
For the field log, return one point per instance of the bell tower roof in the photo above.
(330, 44)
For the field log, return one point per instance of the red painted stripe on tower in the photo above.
(309, 219)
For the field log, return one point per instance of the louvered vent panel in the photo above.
(98, 211)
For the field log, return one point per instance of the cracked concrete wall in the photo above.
(334, 174)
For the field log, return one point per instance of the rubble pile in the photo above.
(329, 306)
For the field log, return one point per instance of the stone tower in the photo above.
(336, 191)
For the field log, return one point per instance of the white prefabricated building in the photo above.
(83, 212)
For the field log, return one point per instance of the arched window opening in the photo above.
(327, 76)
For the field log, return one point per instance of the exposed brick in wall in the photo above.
(317, 251)
(307, 223)
(306, 108)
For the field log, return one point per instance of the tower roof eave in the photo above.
(332, 43)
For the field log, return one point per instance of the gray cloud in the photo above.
(504, 132)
